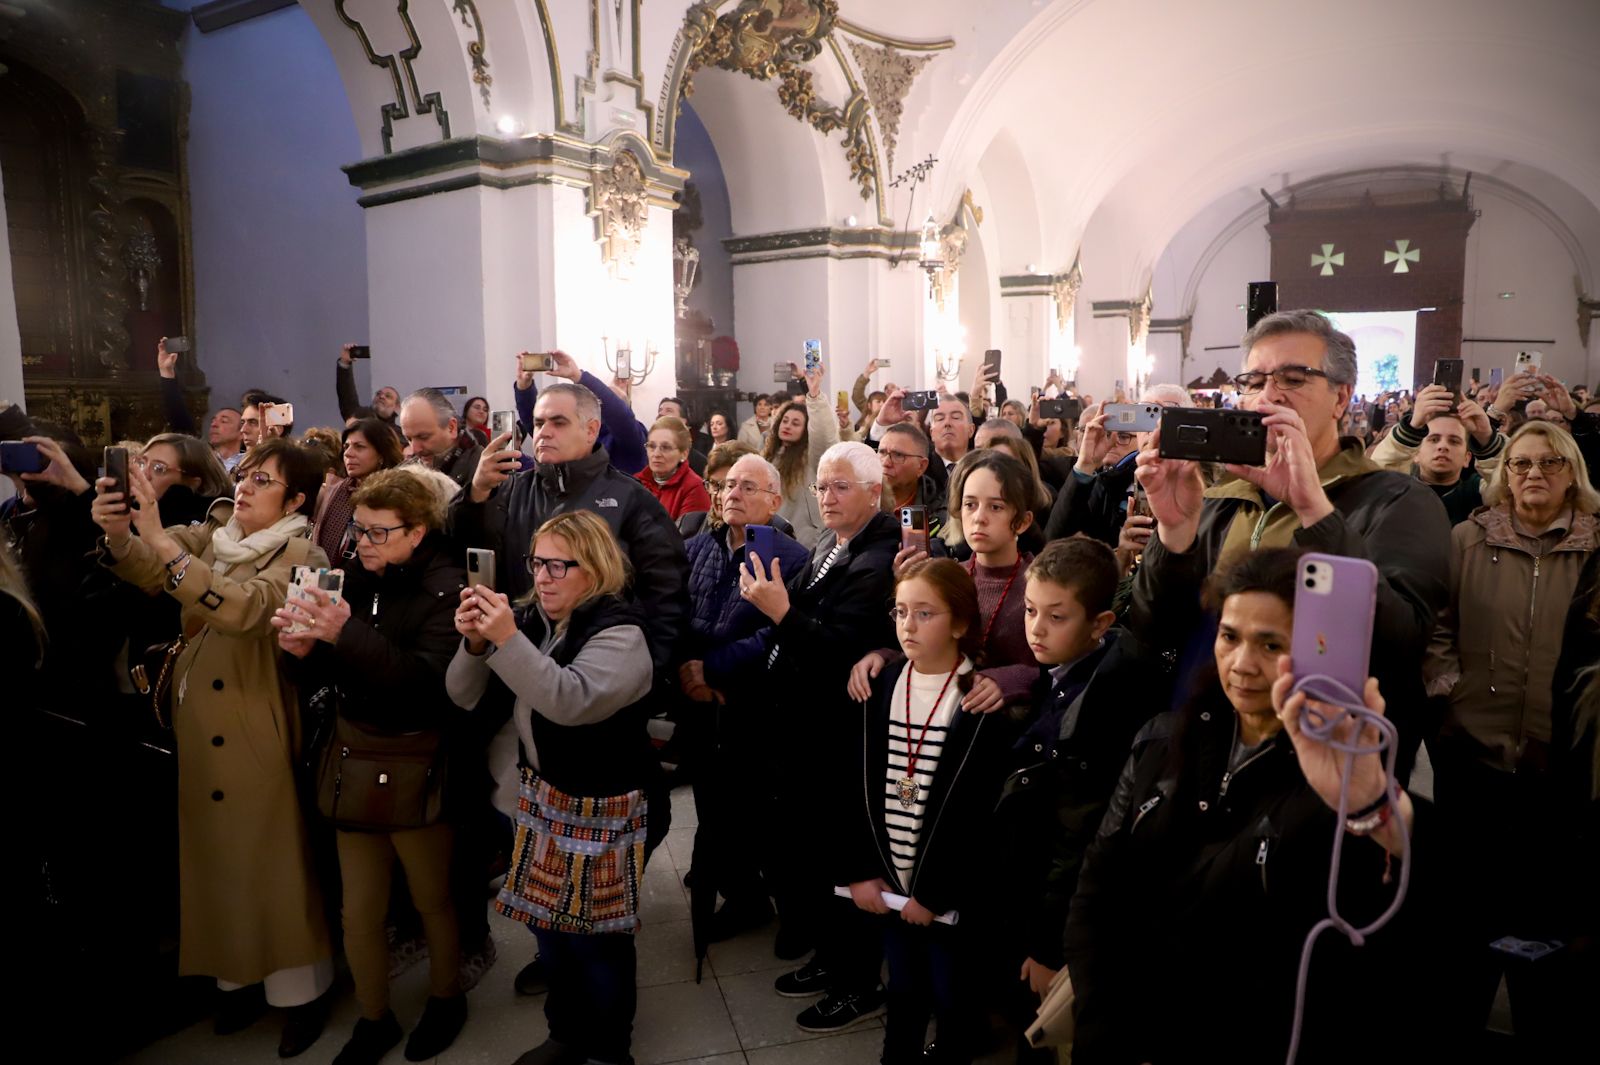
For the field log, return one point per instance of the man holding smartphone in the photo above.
(621, 434)
(385, 401)
(1315, 491)
(1447, 447)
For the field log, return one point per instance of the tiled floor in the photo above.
(731, 1018)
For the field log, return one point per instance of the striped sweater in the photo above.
(904, 824)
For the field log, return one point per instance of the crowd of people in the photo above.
(992, 712)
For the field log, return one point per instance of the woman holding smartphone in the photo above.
(250, 909)
(1214, 857)
(385, 647)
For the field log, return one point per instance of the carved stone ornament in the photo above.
(952, 244)
(142, 257)
(1139, 319)
(110, 304)
(468, 10)
(1064, 290)
(619, 205)
(767, 39)
(888, 75)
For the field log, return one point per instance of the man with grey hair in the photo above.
(724, 649)
(433, 435)
(823, 617)
(1093, 500)
(1316, 492)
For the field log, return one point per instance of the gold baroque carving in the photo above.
(1064, 290)
(888, 75)
(1139, 318)
(768, 39)
(475, 49)
(109, 299)
(619, 204)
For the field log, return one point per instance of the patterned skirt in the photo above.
(577, 862)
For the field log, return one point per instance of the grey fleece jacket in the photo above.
(611, 672)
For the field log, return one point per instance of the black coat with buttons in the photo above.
(1186, 928)
(1062, 772)
(391, 656)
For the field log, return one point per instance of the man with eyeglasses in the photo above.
(823, 619)
(1094, 499)
(1316, 491)
(725, 647)
(1448, 448)
(903, 455)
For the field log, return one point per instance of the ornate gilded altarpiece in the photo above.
(93, 133)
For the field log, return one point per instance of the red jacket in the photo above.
(684, 493)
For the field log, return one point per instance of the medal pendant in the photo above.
(908, 789)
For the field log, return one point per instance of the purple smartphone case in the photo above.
(1333, 627)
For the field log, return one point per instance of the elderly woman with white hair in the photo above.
(823, 617)
(1093, 500)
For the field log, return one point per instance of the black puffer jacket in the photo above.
(1095, 506)
(391, 656)
(1197, 894)
(644, 533)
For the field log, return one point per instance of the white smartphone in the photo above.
(304, 578)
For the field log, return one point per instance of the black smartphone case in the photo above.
(1221, 435)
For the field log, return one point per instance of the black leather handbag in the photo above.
(375, 781)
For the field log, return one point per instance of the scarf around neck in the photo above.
(230, 547)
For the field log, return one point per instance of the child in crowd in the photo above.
(1097, 688)
(930, 776)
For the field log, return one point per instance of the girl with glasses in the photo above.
(931, 775)
(250, 908)
(577, 672)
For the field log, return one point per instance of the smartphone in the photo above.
(880, 364)
(842, 401)
(1132, 417)
(1260, 300)
(502, 422)
(1119, 386)
(761, 540)
(1448, 372)
(480, 567)
(1529, 361)
(361, 351)
(813, 355)
(925, 400)
(991, 362)
(914, 528)
(537, 362)
(1496, 376)
(1334, 601)
(782, 372)
(177, 345)
(1068, 408)
(17, 456)
(281, 414)
(1213, 435)
(1139, 502)
(1035, 392)
(116, 464)
(304, 578)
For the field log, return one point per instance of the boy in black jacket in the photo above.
(1098, 686)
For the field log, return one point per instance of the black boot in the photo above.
(532, 979)
(370, 1041)
(304, 1025)
(441, 1022)
(238, 1010)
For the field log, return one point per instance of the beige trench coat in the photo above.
(249, 900)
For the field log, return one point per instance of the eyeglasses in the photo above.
(158, 468)
(1550, 464)
(1287, 378)
(896, 456)
(260, 479)
(556, 567)
(1123, 438)
(661, 447)
(900, 614)
(715, 486)
(378, 534)
(838, 488)
(748, 488)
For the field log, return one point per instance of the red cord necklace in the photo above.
(972, 568)
(907, 787)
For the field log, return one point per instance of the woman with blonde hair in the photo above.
(1514, 566)
(577, 672)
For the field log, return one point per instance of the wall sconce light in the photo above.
(621, 363)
